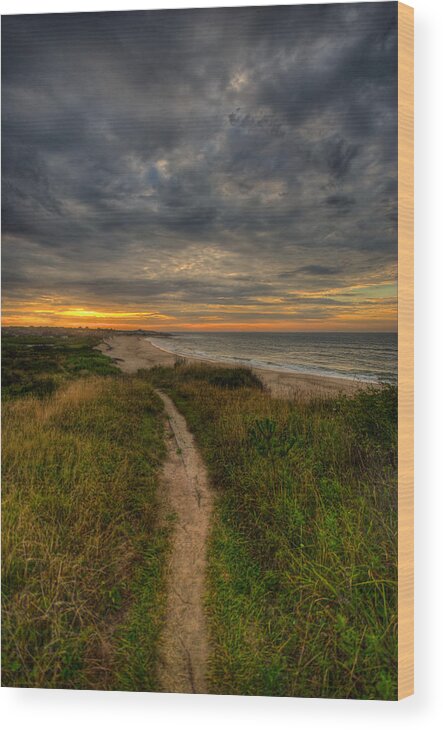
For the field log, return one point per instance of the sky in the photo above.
(215, 169)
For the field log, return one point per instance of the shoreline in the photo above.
(240, 363)
(136, 353)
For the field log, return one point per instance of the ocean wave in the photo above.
(180, 350)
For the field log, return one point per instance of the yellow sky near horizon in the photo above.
(371, 307)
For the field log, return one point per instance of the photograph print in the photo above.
(200, 369)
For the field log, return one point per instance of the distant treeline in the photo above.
(70, 331)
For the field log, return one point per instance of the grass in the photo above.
(302, 589)
(39, 364)
(302, 579)
(83, 552)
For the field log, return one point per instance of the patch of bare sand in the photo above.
(305, 386)
(132, 353)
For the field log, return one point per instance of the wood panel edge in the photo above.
(405, 350)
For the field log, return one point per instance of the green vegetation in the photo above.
(302, 594)
(39, 364)
(225, 378)
(302, 583)
(83, 552)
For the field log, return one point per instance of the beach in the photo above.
(132, 353)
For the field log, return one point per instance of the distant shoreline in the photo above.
(232, 362)
(136, 353)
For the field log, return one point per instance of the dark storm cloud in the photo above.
(318, 270)
(199, 147)
(342, 202)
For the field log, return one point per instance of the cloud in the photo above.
(339, 157)
(342, 202)
(247, 142)
(318, 270)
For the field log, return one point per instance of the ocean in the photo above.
(370, 357)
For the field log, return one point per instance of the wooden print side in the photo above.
(406, 350)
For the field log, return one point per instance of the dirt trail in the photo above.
(185, 489)
(184, 645)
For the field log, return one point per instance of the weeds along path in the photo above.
(184, 645)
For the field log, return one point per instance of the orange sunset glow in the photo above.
(366, 314)
(241, 188)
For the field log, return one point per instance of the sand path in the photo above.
(184, 644)
(185, 489)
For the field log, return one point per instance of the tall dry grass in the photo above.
(82, 552)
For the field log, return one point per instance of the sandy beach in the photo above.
(132, 353)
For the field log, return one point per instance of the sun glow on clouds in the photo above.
(194, 193)
(375, 314)
(112, 315)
